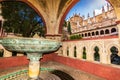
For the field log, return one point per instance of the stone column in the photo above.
(90, 55)
(71, 51)
(65, 51)
(34, 65)
(79, 52)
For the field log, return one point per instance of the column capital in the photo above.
(34, 56)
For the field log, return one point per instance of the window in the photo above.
(115, 59)
(101, 32)
(84, 53)
(93, 33)
(96, 54)
(97, 33)
(107, 31)
(75, 53)
(113, 30)
(67, 51)
(88, 34)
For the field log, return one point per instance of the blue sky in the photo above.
(87, 6)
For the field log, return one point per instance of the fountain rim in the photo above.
(28, 38)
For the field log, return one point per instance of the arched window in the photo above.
(79, 34)
(115, 59)
(107, 31)
(113, 30)
(101, 32)
(1, 52)
(88, 34)
(75, 53)
(84, 53)
(82, 35)
(67, 51)
(85, 34)
(97, 33)
(96, 54)
(93, 33)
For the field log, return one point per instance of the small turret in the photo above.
(108, 7)
(103, 10)
(88, 15)
(94, 13)
(88, 19)
(94, 18)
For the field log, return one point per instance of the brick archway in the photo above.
(65, 12)
(33, 7)
(112, 2)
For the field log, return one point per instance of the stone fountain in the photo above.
(34, 49)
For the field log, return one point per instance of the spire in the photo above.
(93, 13)
(88, 20)
(94, 18)
(83, 17)
(107, 7)
(88, 15)
(103, 10)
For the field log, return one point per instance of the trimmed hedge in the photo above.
(73, 37)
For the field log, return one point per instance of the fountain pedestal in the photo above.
(34, 49)
(34, 65)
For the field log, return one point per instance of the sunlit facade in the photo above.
(103, 24)
(93, 53)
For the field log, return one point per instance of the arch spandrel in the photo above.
(52, 12)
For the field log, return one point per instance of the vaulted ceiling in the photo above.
(53, 12)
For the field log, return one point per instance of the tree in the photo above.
(69, 28)
(64, 33)
(20, 18)
(65, 23)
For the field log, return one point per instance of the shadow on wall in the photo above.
(62, 75)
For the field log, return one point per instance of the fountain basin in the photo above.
(34, 49)
(30, 45)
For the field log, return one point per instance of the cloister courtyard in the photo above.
(77, 48)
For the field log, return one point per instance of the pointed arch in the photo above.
(96, 54)
(33, 7)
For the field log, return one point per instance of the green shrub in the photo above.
(74, 37)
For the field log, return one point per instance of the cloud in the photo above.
(98, 11)
(88, 6)
(97, 3)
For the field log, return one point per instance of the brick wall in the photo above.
(101, 70)
(8, 62)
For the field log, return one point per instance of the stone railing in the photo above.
(74, 49)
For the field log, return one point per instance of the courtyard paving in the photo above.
(57, 71)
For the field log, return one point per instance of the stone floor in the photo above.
(58, 72)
